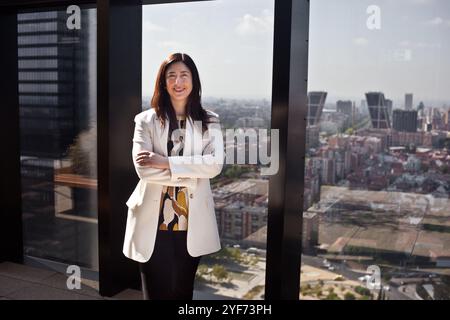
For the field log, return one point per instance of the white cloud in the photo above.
(254, 25)
(438, 21)
(149, 26)
(360, 41)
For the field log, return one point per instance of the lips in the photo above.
(178, 90)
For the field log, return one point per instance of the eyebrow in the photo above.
(173, 72)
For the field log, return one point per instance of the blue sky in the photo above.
(409, 53)
(231, 42)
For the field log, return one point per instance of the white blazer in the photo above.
(202, 160)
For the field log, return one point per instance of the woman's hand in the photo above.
(151, 159)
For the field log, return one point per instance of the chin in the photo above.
(184, 97)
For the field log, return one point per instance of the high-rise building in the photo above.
(448, 120)
(344, 107)
(57, 105)
(437, 119)
(405, 120)
(310, 237)
(316, 101)
(378, 110)
(363, 105)
(362, 109)
(312, 137)
(54, 91)
(389, 106)
(408, 101)
(329, 171)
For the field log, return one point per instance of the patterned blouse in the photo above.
(173, 209)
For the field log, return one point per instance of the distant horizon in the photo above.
(397, 103)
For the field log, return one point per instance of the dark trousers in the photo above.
(170, 272)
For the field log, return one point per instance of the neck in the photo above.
(179, 107)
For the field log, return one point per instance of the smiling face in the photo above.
(179, 82)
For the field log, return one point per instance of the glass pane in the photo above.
(231, 43)
(57, 97)
(377, 178)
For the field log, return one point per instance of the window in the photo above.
(377, 178)
(38, 27)
(231, 42)
(38, 76)
(44, 64)
(44, 39)
(58, 145)
(36, 51)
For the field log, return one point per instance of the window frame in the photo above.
(119, 28)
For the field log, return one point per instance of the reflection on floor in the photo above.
(21, 282)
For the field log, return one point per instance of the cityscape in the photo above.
(377, 183)
(377, 189)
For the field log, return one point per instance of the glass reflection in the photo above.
(231, 43)
(377, 179)
(57, 98)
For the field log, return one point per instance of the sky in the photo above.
(231, 42)
(409, 53)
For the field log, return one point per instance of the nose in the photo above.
(178, 80)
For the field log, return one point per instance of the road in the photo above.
(393, 294)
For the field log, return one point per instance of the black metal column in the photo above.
(10, 214)
(289, 111)
(119, 100)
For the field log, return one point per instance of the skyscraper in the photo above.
(408, 101)
(448, 120)
(344, 107)
(405, 120)
(378, 110)
(53, 96)
(389, 106)
(57, 105)
(316, 101)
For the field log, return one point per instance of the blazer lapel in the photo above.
(163, 136)
(190, 134)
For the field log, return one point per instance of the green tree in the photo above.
(219, 272)
(235, 253)
(363, 291)
(202, 271)
(332, 296)
(349, 131)
(349, 296)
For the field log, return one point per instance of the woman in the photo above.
(177, 148)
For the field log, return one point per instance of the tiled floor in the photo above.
(20, 282)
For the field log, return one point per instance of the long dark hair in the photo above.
(161, 99)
